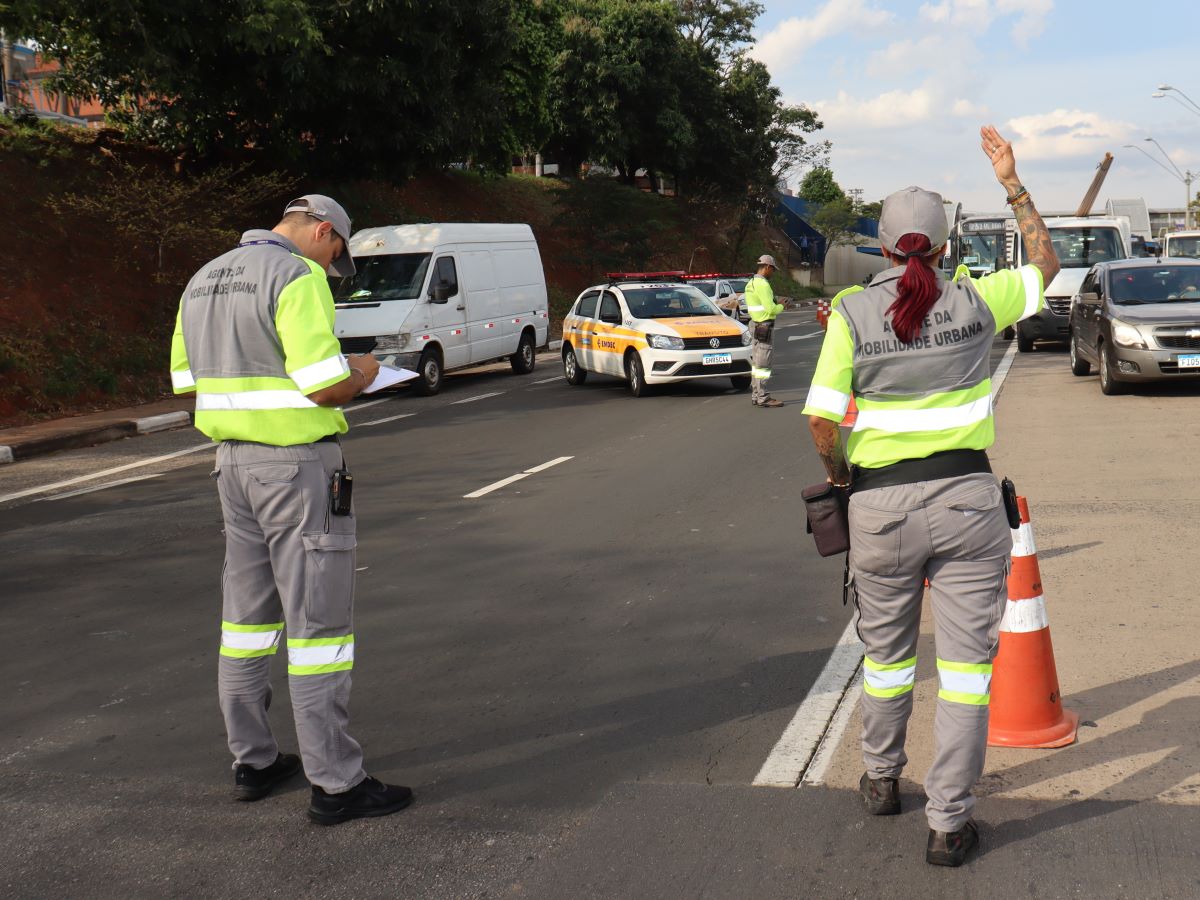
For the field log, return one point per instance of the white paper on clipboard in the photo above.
(388, 377)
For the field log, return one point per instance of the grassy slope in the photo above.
(85, 315)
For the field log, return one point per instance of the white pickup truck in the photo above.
(1079, 243)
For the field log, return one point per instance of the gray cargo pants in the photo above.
(954, 532)
(287, 562)
(760, 364)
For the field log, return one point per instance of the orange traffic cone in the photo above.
(1026, 707)
(823, 313)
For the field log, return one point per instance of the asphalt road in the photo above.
(645, 614)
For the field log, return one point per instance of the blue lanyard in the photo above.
(265, 241)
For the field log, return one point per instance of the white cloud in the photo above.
(781, 47)
(893, 109)
(978, 15)
(1066, 133)
(1032, 21)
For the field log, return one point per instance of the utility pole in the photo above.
(856, 194)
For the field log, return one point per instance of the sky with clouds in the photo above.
(902, 88)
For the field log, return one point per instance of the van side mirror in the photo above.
(1091, 298)
(439, 293)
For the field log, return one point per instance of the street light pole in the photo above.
(1167, 87)
(1186, 179)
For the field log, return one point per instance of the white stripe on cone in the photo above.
(1023, 541)
(1023, 616)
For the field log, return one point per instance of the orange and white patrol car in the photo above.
(652, 328)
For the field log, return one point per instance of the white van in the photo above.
(436, 297)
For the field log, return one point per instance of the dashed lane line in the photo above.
(381, 421)
(804, 337)
(548, 380)
(505, 482)
(476, 397)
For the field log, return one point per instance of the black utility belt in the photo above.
(946, 464)
(328, 439)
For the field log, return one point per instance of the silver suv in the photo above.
(1137, 320)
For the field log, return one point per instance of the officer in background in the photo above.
(913, 351)
(254, 340)
(761, 305)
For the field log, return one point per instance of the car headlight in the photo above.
(391, 343)
(747, 337)
(1126, 335)
(664, 342)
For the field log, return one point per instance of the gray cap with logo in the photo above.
(326, 209)
(913, 211)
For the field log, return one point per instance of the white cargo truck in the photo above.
(437, 297)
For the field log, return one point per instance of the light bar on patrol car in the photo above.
(644, 276)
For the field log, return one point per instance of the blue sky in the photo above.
(903, 87)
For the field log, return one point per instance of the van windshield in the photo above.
(1157, 284)
(388, 276)
(1081, 247)
(668, 303)
(1184, 246)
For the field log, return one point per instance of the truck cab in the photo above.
(1079, 243)
(1182, 243)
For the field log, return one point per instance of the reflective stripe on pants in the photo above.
(286, 563)
(954, 532)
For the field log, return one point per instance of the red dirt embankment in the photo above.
(88, 296)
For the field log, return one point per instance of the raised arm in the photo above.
(1038, 248)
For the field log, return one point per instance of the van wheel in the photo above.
(740, 382)
(572, 370)
(1108, 384)
(1024, 344)
(1008, 333)
(429, 373)
(525, 358)
(1079, 365)
(636, 375)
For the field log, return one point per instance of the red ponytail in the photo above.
(917, 290)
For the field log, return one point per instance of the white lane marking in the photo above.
(829, 736)
(548, 380)
(504, 482)
(29, 492)
(804, 337)
(381, 421)
(1002, 371)
(546, 465)
(478, 397)
(98, 487)
(495, 486)
(815, 774)
(357, 406)
(794, 750)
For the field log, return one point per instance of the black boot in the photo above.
(250, 783)
(367, 799)
(950, 848)
(882, 795)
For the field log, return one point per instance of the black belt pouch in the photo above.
(828, 517)
(762, 331)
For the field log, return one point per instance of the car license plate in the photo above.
(724, 359)
(1191, 361)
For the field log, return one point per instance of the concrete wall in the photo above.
(845, 265)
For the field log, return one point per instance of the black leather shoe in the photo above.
(250, 783)
(882, 795)
(367, 799)
(950, 848)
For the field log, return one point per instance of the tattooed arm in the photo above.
(1034, 235)
(828, 438)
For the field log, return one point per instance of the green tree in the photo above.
(872, 210)
(380, 85)
(718, 27)
(836, 221)
(818, 186)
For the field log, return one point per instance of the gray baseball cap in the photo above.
(913, 211)
(767, 260)
(326, 209)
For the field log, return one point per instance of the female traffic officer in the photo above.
(912, 349)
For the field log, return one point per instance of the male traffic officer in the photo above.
(254, 340)
(761, 305)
